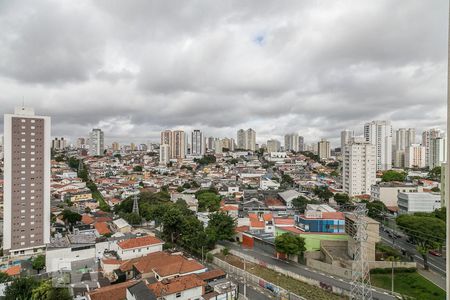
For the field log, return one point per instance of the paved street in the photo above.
(304, 271)
(437, 264)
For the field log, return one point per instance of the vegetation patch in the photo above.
(288, 283)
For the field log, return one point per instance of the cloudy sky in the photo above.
(134, 68)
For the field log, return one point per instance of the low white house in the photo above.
(268, 184)
(132, 248)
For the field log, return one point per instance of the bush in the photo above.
(225, 251)
(389, 270)
(209, 257)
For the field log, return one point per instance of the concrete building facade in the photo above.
(26, 213)
(379, 134)
(359, 167)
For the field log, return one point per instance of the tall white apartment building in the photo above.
(197, 143)
(323, 148)
(346, 137)
(246, 139)
(379, 134)
(415, 156)
(273, 146)
(359, 167)
(26, 213)
(218, 146)
(427, 136)
(96, 142)
(164, 154)
(437, 152)
(404, 137)
(292, 142)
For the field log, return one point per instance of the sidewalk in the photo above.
(433, 277)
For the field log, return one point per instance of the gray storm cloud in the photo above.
(312, 67)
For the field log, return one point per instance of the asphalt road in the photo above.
(436, 264)
(305, 271)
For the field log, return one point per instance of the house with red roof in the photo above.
(136, 247)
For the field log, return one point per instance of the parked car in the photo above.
(435, 253)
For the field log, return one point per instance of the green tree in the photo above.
(220, 227)
(376, 209)
(435, 173)
(132, 218)
(427, 233)
(436, 189)
(341, 198)
(193, 235)
(20, 289)
(172, 223)
(71, 217)
(38, 263)
(301, 202)
(208, 201)
(287, 180)
(323, 193)
(392, 175)
(4, 277)
(137, 169)
(290, 244)
(45, 291)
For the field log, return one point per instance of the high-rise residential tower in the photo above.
(178, 146)
(197, 143)
(96, 142)
(164, 154)
(291, 142)
(346, 137)
(323, 148)
(246, 139)
(415, 156)
(273, 145)
(379, 133)
(359, 167)
(404, 138)
(26, 213)
(427, 137)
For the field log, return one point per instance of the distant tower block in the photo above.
(135, 205)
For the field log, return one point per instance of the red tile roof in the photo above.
(87, 219)
(242, 228)
(112, 292)
(284, 221)
(14, 270)
(176, 285)
(139, 242)
(166, 264)
(102, 228)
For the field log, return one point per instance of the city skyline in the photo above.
(160, 80)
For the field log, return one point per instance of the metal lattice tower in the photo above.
(135, 205)
(361, 287)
